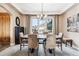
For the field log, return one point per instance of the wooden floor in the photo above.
(3, 47)
(15, 51)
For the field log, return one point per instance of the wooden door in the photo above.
(5, 28)
(1, 29)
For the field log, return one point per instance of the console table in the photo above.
(68, 40)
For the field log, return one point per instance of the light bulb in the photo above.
(45, 15)
(37, 16)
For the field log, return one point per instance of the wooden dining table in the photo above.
(39, 36)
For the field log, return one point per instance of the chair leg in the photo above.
(66, 43)
(28, 51)
(54, 51)
(44, 48)
(58, 45)
(37, 52)
(20, 47)
(71, 43)
(61, 46)
(45, 52)
(20, 44)
(23, 44)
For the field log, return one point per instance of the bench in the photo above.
(68, 40)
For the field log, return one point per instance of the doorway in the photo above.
(4, 29)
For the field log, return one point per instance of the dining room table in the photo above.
(40, 37)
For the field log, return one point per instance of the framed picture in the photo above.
(73, 23)
(77, 23)
(49, 25)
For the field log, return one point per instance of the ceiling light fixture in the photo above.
(42, 15)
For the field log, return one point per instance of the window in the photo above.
(41, 26)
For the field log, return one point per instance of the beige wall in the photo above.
(63, 24)
(13, 13)
(60, 23)
(26, 23)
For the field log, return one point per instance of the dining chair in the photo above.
(23, 40)
(50, 44)
(59, 40)
(32, 43)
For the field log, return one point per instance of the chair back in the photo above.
(32, 41)
(21, 34)
(51, 41)
(60, 37)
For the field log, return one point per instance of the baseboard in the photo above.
(75, 47)
(12, 44)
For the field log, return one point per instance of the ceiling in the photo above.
(48, 8)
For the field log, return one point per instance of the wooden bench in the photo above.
(68, 40)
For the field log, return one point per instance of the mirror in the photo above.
(17, 21)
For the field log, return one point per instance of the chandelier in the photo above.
(42, 15)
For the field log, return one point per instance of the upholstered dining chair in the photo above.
(23, 40)
(50, 43)
(59, 40)
(32, 43)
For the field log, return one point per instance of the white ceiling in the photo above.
(48, 8)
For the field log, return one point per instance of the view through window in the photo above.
(42, 25)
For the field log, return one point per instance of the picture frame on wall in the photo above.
(69, 24)
(49, 25)
(77, 22)
(73, 23)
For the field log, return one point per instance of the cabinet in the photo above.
(17, 31)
